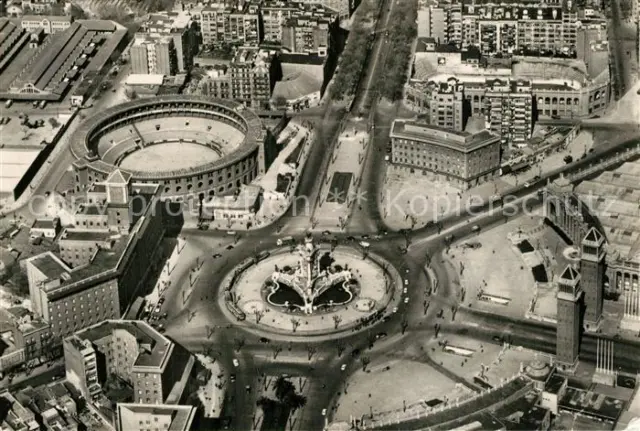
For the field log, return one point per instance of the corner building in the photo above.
(460, 158)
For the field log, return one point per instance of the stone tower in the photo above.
(592, 277)
(569, 316)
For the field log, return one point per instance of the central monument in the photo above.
(307, 279)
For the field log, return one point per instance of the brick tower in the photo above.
(569, 316)
(592, 277)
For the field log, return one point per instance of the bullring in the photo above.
(192, 146)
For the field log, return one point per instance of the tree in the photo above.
(336, 320)
(279, 102)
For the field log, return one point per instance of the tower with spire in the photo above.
(569, 316)
(592, 274)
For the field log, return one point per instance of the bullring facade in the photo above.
(192, 146)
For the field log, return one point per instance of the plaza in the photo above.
(278, 294)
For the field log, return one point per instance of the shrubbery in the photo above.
(352, 60)
(402, 30)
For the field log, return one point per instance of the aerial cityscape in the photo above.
(336, 215)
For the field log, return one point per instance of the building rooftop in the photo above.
(554, 384)
(49, 265)
(42, 223)
(244, 200)
(129, 415)
(613, 198)
(155, 348)
(297, 85)
(14, 416)
(83, 235)
(591, 403)
(459, 141)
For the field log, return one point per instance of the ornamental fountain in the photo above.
(307, 279)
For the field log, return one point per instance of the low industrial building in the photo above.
(242, 206)
(43, 57)
(46, 228)
(462, 159)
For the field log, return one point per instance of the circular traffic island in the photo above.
(310, 289)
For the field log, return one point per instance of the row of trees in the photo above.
(353, 58)
(402, 32)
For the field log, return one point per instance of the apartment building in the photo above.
(463, 159)
(217, 83)
(153, 54)
(180, 27)
(25, 338)
(252, 75)
(508, 110)
(344, 8)
(307, 35)
(237, 24)
(502, 27)
(157, 368)
(109, 254)
(277, 13)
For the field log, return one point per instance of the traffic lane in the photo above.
(518, 192)
(543, 338)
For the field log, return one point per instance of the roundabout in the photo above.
(310, 289)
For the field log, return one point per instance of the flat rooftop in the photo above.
(129, 415)
(592, 404)
(155, 346)
(13, 165)
(614, 197)
(440, 136)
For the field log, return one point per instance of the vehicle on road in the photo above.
(406, 300)
(236, 363)
(324, 412)
(380, 335)
(364, 244)
(326, 233)
(247, 388)
(8, 103)
(355, 352)
(231, 232)
(285, 241)
(527, 184)
(475, 228)
(365, 236)
(265, 340)
(395, 309)
(232, 378)
(217, 255)
(229, 247)
(406, 281)
(42, 104)
(351, 238)
(343, 367)
(405, 290)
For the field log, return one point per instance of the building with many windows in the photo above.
(276, 13)
(460, 158)
(307, 35)
(443, 102)
(156, 367)
(181, 29)
(237, 24)
(503, 27)
(104, 259)
(253, 74)
(153, 54)
(508, 110)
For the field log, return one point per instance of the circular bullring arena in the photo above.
(192, 146)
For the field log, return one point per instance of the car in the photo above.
(406, 281)
(351, 238)
(247, 388)
(326, 233)
(236, 363)
(364, 244)
(216, 256)
(355, 352)
(381, 335)
(165, 315)
(229, 247)
(47, 194)
(405, 290)
(343, 367)
(527, 184)
(232, 378)
(162, 300)
(365, 237)
(406, 300)
(395, 309)
(265, 340)
(158, 308)
(324, 412)
(162, 330)
(386, 318)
